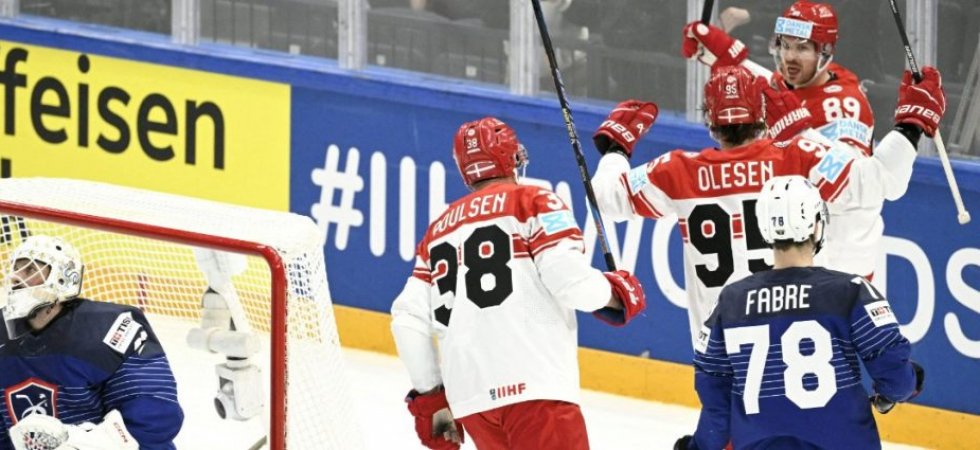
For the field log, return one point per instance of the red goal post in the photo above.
(138, 249)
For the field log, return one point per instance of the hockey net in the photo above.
(138, 249)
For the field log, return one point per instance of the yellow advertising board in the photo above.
(76, 115)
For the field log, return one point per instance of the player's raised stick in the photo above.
(962, 214)
(573, 135)
(706, 11)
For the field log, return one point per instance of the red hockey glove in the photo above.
(712, 46)
(429, 427)
(624, 127)
(785, 115)
(627, 289)
(921, 104)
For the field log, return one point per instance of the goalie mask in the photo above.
(790, 209)
(486, 149)
(42, 271)
(808, 21)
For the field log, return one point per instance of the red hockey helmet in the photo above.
(731, 97)
(487, 148)
(816, 22)
(810, 20)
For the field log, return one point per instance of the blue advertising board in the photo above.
(375, 171)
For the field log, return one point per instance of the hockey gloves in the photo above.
(884, 405)
(921, 104)
(712, 46)
(624, 127)
(43, 432)
(785, 115)
(685, 443)
(434, 423)
(627, 289)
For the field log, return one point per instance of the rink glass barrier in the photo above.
(606, 50)
(369, 160)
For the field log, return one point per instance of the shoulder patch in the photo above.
(704, 336)
(833, 163)
(880, 313)
(638, 177)
(124, 331)
(557, 221)
(847, 128)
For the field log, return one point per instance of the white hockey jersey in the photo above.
(497, 280)
(713, 194)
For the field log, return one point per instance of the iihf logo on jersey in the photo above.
(31, 396)
(507, 391)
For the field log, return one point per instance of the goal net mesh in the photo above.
(138, 249)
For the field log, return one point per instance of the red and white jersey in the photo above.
(713, 193)
(841, 112)
(497, 280)
(840, 109)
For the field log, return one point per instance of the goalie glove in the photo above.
(884, 405)
(627, 289)
(712, 46)
(43, 432)
(434, 423)
(624, 127)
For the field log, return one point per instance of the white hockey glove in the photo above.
(38, 432)
(42, 432)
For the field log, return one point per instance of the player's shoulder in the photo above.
(114, 325)
(94, 312)
(842, 76)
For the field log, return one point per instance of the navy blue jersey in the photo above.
(776, 364)
(93, 358)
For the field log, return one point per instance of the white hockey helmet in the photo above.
(42, 271)
(790, 209)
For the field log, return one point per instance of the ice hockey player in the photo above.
(713, 192)
(810, 91)
(777, 362)
(78, 373)
(497, 280)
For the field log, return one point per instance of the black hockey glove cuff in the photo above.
(911, 132)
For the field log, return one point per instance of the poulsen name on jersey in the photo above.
(485, 205)
(736, 174)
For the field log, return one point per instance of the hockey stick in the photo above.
(706, 11)
(260, 443)
(573, 135)
(962, 214)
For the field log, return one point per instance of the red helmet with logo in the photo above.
(487, 148)
(810, 20)
(731, 97)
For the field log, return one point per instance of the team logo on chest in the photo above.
(31, 396)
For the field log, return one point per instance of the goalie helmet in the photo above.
(789, 209)
(732, 97)
(42, 271)
(487, 148)
(812, 21)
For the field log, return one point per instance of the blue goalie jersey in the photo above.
(93, 358)
(777, 362)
